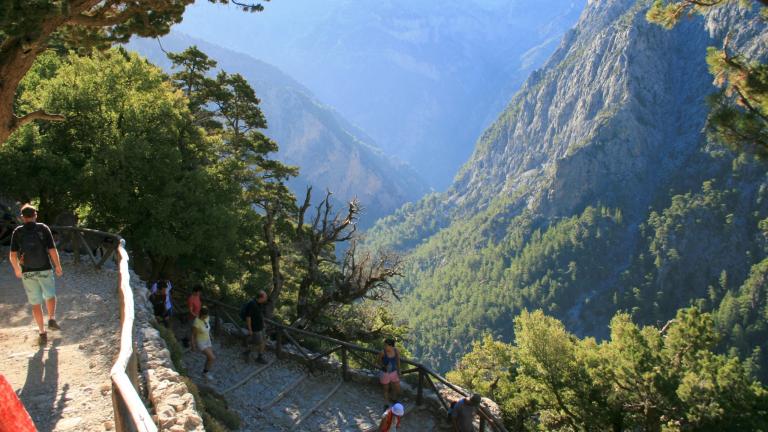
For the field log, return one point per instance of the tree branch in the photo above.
(35, 115)
(101, 19)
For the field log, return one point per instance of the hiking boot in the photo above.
(42, 338)
(261, 360)
(53, 325)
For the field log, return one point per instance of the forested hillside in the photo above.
(596, 191)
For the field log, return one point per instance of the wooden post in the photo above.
(120, 423)
(420, 388)
(279, 344)
(133, 369)
(74, 242)
(344, 364)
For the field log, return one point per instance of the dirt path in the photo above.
(65, 385)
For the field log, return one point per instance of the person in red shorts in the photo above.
(389, 359)
(392, 417)
(390, 420)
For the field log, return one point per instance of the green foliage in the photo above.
(482, 271)
(174, 347)
(119, 161)
(216, 406)
(216, 416)
(640, 379)
(742, 318)
(404, 229)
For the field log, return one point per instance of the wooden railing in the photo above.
(349, 351)
(129, 410)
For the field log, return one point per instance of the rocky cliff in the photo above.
(576, 198)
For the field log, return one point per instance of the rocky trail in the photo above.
(285, 396)
(64, 384)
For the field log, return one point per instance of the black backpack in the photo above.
(32, 247)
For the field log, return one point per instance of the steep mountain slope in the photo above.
(423, 77)
(331, 153)
(593, 192)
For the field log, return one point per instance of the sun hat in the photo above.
(398, 410)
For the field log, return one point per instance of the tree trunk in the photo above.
(274, 259)
(17, 54)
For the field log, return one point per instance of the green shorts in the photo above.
(39, 286)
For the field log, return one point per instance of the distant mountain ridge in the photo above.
(422, 77)
(594, 191)
(329, 151)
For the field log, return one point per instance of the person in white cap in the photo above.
(391, 417)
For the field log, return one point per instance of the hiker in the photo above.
(463, 411)
(389, 359)
(168, 286)
(160, 302)
(253, 315)
(201, 337)
(395, 412)
(194, 304)
(32, 251)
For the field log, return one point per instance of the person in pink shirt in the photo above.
(194, 303)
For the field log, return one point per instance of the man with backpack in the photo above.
(253, 315)
(32, 252)
(463, 411)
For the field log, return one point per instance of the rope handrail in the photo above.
(484, 412)
(129, 410)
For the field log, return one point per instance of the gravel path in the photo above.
(353, 408)
(65, 385)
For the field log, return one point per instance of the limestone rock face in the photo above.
(613, 115)
(615, 119)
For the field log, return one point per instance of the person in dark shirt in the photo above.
(32, 252)
(463, 413)
(160, 303)
(253, 314)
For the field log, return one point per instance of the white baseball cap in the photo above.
(398, 410)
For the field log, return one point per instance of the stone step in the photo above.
(274, 399)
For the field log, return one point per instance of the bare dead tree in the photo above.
(363, 275)
(316, 242)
